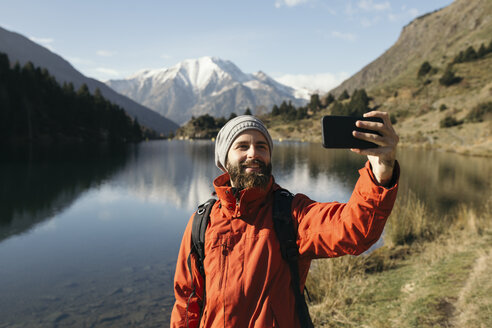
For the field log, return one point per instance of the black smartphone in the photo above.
(337, 132)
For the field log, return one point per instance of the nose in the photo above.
(252, 152)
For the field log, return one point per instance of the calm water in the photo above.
(90, 238)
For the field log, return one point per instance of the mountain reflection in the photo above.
(38, 186)
(180, 173)
(176, 172)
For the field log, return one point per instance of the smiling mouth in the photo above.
(252, 166)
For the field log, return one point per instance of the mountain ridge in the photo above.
(431, 37)
(21, 49)
(206, 85)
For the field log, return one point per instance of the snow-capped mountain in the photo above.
(207, 85)
(20, 49)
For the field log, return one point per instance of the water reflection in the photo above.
(445, 180)
(49, 181)
(177, 172)
(92, 240)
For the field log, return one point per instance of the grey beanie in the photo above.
(229, 133)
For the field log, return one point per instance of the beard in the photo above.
(243, 180)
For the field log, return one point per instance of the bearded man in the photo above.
(246, 281)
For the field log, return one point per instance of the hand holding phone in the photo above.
(337, 132)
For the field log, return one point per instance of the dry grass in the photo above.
(440, 276)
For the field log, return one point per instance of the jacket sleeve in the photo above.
(335, 229)
(187, 289)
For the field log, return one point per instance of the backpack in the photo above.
(286, 234)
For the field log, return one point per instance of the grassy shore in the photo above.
(431, 272)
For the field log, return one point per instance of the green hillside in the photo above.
(36, 110)
(426, 112)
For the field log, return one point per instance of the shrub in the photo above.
(449, 121)
(443, 107)
(478, 112)
(393, 118)
(410, 221)
(425, 68)
(449, 78)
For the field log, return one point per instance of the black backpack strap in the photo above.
(198, 229)
(287, 236)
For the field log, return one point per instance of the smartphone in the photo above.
(337, 132)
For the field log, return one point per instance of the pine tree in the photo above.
(275, 111)
(302, 113)
(247, 111)
(482, 51)
(284, 108)
(329, 99)
(314, 103)
(137, 130)
(338, 108)
(359, 103)
(344, 95)
(36, 105)
(470, 54)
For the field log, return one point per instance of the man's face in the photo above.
(248, 160)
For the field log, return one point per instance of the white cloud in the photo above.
(107, 71)
(322, 82)
(289, 3)
(370, 5)
(166, 56)
(79, 61)
(105, 53)
(366, 22)
(406, 13)
(413, 12)
(45, 42)
(343, 36)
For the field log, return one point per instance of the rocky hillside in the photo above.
(430, 90)
(435, 37)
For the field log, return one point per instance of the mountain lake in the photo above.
(89, 237)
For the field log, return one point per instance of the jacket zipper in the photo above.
(223, 262)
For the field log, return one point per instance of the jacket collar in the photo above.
(243, 202)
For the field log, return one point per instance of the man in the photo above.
(247, 282)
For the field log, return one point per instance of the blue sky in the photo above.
(315, 43)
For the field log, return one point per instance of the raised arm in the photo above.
(383, 157)
(335, 229)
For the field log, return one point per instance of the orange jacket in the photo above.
(247, 281)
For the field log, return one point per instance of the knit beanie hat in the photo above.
(229, 133)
